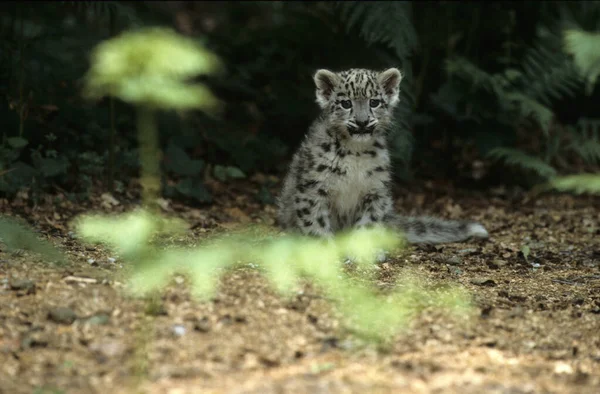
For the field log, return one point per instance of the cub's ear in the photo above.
(390, 82)
(325, 81)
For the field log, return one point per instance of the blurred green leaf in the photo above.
(194, 188)
(584, 46)
(17, 236)
(17, 142)
(223, 173)
(180, 163)
(578, 184)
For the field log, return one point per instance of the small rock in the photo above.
(454, 260)
(178, 330)
(483, 282)
(346, 344)
(36, 339)
(381, 256)
(177, 372)
(26, 285)
(486, 311)
(500, 262)
(111, 260)
(516, 312)
(329, 343)
(240, 319)
(156, 309)
(202, 325)
(496, 263)
(62, 315)
(99, 319)
(108, 348)
(454, 270)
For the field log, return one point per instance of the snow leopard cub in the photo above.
(340, 176)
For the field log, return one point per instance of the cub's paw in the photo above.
(380, 257)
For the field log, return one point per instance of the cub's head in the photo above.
(359, 102)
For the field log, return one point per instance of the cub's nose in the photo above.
(361, 125)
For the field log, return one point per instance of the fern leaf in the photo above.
(383, 22)
(549, 75)
(587, 149)
(584, 48)
(468, 71)
(521, 159)
(578, 184)
(529, 107)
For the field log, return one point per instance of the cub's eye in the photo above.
(374, 103)
(346, 104)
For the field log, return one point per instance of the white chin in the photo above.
(361, 137)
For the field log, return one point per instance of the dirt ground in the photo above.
(535, 287)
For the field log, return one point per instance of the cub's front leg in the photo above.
(311, 209)
(373, 208)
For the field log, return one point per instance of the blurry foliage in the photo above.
(514, 80)
(581, 183)
(149, 68)
(18, 236)
(284, 260)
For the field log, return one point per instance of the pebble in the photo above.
(62, 315)
(179, 330)
(454, 260)
(202, 325)
(99, 319)
(108, 348)
(26, 285)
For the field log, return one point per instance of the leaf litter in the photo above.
(535, 286)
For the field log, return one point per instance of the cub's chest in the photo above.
(353, 177)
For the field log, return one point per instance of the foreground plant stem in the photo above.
(113, 131)
(149, 157)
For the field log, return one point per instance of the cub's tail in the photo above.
(428, 230)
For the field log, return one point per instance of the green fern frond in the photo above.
(383, 22)
(549, 75)
(468, 71)
(503, 87)
(529, 107)
(586, 148)
(103, 9)
(584, 47)
(521, 159)
(578, 184)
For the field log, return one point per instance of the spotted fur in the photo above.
(340, 176)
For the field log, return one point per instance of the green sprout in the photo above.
(285, 261)
(149, 68)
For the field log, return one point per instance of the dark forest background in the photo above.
(491, 94)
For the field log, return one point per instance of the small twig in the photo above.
(77, 279)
